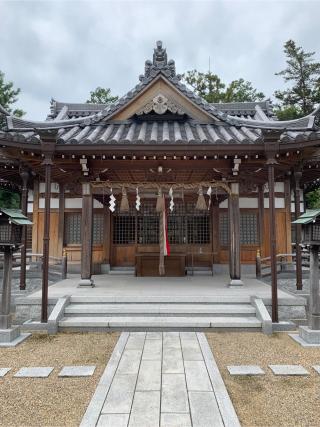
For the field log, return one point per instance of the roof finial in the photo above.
(159, 64)
(160, 58)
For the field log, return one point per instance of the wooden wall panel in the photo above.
(54, 224)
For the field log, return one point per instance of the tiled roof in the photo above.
(168, 132)
(88, 123)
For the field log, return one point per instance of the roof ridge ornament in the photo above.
(159, 64)
(160, 105)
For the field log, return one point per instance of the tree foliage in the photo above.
(101, 96)
(313, 199)
(210, 87)
(9, 199)
(303, 72)
(9, 95)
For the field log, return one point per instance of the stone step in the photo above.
(161, 323)
(160, 309)
(170, 299)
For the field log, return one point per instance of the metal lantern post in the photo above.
(11, 223)
(310, 222)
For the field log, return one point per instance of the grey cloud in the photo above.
(64, 49)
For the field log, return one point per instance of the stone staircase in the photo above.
(159, 313)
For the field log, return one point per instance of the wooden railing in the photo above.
(263, 265)
(57, 265)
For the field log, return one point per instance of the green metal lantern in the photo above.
(11, 222)
(310, 222)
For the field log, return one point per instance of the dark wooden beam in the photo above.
(261, 218)
(86, 235)
(61, 219)
(273, 241)
(24, 173)
(297, 189)
(234, 236)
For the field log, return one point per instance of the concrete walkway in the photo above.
(166, 379)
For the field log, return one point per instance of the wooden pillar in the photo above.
(215, 232)
(86, 235)
(48, 143)
(261, 218)
(61, 219)
(273, 241)
(287, 205)
(234, 236)
(297, 178)
(46, 239)
(35, 216)
(24, 174)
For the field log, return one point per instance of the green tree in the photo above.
(313, 199)
(8, 96)
(210, 87)
(9, 199)
(101, 96)
(303, 72)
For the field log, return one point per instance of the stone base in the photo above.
(11, 337)
(283, 326)
(235, 283)
(86, 283)
(307, 337)
(33, 325)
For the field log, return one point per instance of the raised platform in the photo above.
(130, 303)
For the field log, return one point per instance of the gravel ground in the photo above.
(32, 285)
(287, 282)
(52, 401)
(269, 401)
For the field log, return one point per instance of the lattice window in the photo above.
(248, 228)
(197, 225)
(316, 232)
(98, 229)
(124, 229)
(72, 228)
(177, 225)
(148, 224)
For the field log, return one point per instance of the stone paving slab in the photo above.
(316, 368)
(130, 362)
(161, 379)
(174, 393)
(145, 410)
(4, 371)
(149, 378)
(197, 376)
(154, 336)
(288, 370)
(175, 420)
(191, 349)
(77, 371)
(152, 350)
(35, 372)
(204, 410)
(120, 396)
(245, 370)
(113, 420)
(172, 361)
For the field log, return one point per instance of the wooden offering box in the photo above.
(147, 264)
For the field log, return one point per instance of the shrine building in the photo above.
(117, 185)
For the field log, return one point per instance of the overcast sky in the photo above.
(65, 49)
